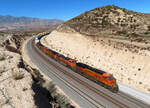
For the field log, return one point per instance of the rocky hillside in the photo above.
(110, 20)
(22, 85)
(111, 39)
(10, 23)
(15, 81)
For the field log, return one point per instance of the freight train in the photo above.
(100, 77)
(40, 35)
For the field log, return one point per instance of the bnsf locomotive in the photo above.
(100, 77)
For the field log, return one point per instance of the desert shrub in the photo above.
(105, 22)
(123, 25)
(12, 49)
(10, 57)
(133, 26)
(148, 28)
(122, 32)
(134, 20)
(19, 35)
(2, 58)
(21, 64)
(61, 99)
(119, 19)
(36, 71)
(51, 88)
(24, 89)
(18, 76)
(134, 35)
(2, 69)
(139, 69)
(147, 33)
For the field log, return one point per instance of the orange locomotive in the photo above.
(66, 60)
(104, 79)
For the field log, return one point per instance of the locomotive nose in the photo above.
(112, 82)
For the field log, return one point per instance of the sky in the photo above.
(65, 9)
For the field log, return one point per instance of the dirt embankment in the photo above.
(21, 84)
(15, 81)
(128, 61)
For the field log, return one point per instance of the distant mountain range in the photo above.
(11, 23)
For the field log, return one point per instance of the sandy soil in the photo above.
(129, 63)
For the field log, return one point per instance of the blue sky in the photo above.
(64, 9)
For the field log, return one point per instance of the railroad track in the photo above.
(82, 94)
(107, 97)
(131, 99)
(92, 100)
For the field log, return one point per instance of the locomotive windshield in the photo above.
(111, 78)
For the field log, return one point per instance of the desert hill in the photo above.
(109, 38)
(109, 20)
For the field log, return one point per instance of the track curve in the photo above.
(111, 100)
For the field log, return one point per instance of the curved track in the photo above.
(85, 92)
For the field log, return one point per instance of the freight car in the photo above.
(100, 77)
(40, 35)
(58, 57)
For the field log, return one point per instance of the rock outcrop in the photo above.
(15, 82)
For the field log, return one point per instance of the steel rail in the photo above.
(133, 100)
(74, 88)
(107, 97)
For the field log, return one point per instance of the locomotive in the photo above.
(100, 77)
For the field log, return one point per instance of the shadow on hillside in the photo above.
(42, 97)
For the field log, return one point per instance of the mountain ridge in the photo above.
(109, 19)
(11, 23)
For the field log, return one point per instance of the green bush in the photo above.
(37, 72)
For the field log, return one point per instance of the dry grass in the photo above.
(61, 99)
(2, 58)
(18, 76)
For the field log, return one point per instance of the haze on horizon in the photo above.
(64, 9)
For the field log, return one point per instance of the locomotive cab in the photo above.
(111, 81)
